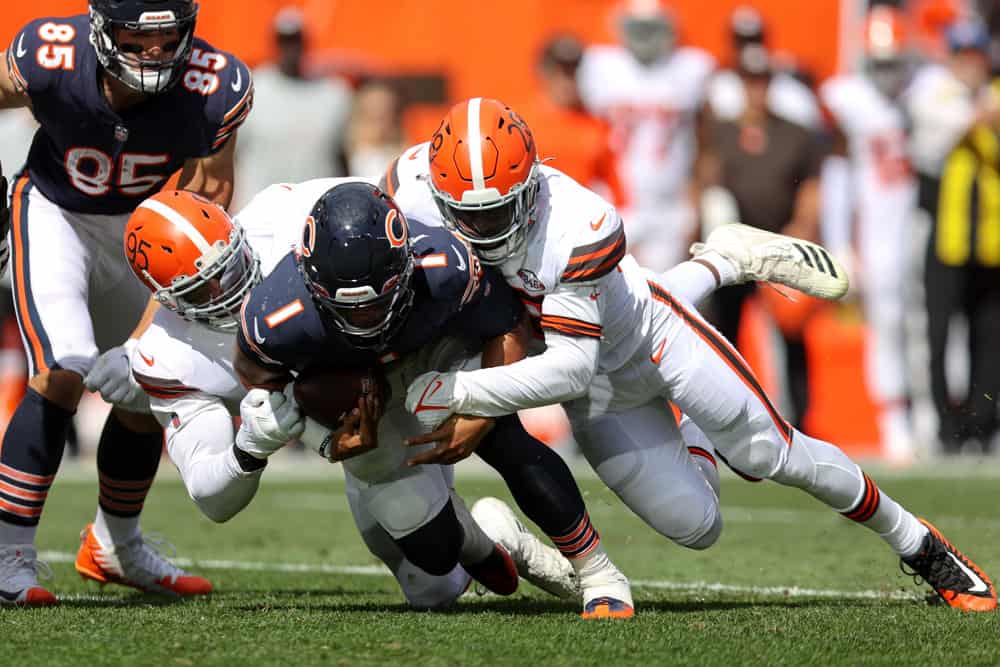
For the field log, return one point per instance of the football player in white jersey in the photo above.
(621, 340)
(652, 93)
(200, 265)
(868, 178)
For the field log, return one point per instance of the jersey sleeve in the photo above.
(598, 251)
(33, 62)
(232, 104)
(573, 310)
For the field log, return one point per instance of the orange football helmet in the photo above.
(192, 256)
(484, 176)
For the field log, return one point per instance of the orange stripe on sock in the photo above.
(26, 477)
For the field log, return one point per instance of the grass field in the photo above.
(789, 583)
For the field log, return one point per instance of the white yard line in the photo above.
(382, 571)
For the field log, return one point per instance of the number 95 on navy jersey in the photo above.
(87, 158)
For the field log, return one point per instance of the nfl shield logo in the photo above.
(531, 281)
(121, 133)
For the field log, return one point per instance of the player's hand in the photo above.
(431, 398)
(111, 376)
(4, 224)
(270, 419)
(459, 437)
(358, 432)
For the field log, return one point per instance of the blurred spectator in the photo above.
(867, 179)
(787, 97)
(652, 93)
(296, 129)
(578, 143)
(956, 116)
(375, 130)
(770, 167)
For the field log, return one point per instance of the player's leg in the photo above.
(49, 270)
(639, 454)
(422, 590)
(711, 384)
(984, 372)
(415, 507)
(131, 443)
(544, 489)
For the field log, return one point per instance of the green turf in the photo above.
(774, 538)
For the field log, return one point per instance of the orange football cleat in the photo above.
(952, 574)
(137, 564)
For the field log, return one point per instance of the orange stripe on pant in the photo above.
(28, 327)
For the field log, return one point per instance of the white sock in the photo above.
(11, 533)
(900, 529)
(111, 529)
(697, 278)
(591, 563)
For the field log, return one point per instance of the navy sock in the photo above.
(29, 457)
(126, 464)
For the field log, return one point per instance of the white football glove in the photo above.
(270, 420)
(111, 376)
(431, 398)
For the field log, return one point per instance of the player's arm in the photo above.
(571, 322)
(12, 93)
(212, 176)
(220, 478)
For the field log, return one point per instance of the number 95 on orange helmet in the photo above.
(484, 176)
(192, 256)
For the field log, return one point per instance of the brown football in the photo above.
(327, 394)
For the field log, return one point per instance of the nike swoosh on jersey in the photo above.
(980, 585)
(21, 51)
(429, 392)
(238, 84)
(256, 333)
(461, 260)
(600, 221)
(148, 360)
(658, 355)
(418, 237)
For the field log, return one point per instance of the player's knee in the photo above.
(706, 536)
(137, 422)
(435, 546)
(62, 387)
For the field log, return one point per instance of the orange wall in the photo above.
(486, 47)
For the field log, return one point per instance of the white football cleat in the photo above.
(761, 256)
(536, 563)
(19, 571)
(137, 564)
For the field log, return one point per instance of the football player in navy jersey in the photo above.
(125, 97)
(367, 287)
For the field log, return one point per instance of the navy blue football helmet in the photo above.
(122, 61)
(356, 260)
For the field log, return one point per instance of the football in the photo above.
(327, 394)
